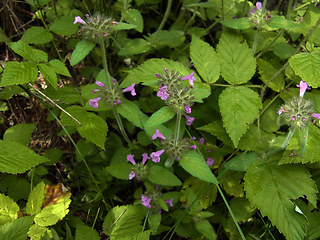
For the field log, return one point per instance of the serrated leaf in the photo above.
(35, 199)
(142, 236)
(267, 70)
(134, 17)
(84, 232)
(241, 209)
(205, 60)
(17, 158)
(271, 187)
(239, 107)
(67, 94)
(20, 133)
(231, 183)
(242, 161)
(194, 164)
(37, 232)
(64, 26)
(48, 74)
(16, 230)
(128, 221)
(83, 48)
(162, 176)
(37, 35)
(59, 67)
(205, 228)
(237, 62)
(8, 209)
(307, 66)
(28, 52)
(134, 46)
(161, 116)
(237, 23)
(120, 170)
(19, 73)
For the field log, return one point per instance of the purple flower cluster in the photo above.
(138, 170)
(146, 201)
(254, 9)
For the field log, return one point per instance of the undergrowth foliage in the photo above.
(153, 119)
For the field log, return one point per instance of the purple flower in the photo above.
(100, 84)
(257, 7)
(189, 119)
(210, 161)
(303, 87)
(117, 102)
(190, 78)
(114, 81)
(130, 89)
(105, 35)
(201, 140)
(193, 138)
(194, 147)
(130, 159)
(94, 102)
(95, 90)
(316, 115)
(145, 157)
(163, 93)
(188, 109)
(170, 202)
(145, 201)
(158, 75)
(158, 135)
(281, 111)
(155, 156)
(132, 175)
(78, 19)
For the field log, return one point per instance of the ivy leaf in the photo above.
(37, 35)
(134, 17)
(161, 116)
(20, 133)
(194, 164)
(8, 209)
(17, 229)
(48, 74)
(59, 67)
(35, 199)
(307, 66)
(162, 176)
(19, 73)
(237, 62)
(17, 158)
(239, 107)
(205, 60)
(83, 48)
(271, 187)
(128, 221)
(84, 232)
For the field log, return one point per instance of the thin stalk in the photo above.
(255, 42)
(231, 213)
(302, 6)
(104, 62)
(289, 9)
(145, 220)
(284, 145)
(177, 129)
(120, 124)
(166, 15)
(95, 218)
(270, 44)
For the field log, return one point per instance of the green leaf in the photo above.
(307, 66)
(134, 17)
(67, 94)
(123, 26)
(37, 35)
(132, 112)
(36, 199)
(283, 50)
(241, 209)
(37, 3)
(194, 164)
(120, 170)
(48, 74)
(205, 228)
(59, 67)
(205, 60)
(142, 235)
(134, 46)
(20, 133)
(237, 62)
(19, 73)
(17, 158)
(267, 70)
(154, 221)
(162, 176)
(242, 161)
(232, 184)
(37, 232)
(271, 188)
(239, 107)
(84, 232)
(281, 22)
(123, 221)
(161, 116)
(28, 52)
(82, 49)
(16, 230)
(8, 209)
(170, 38)
(237, 23)
(64, 26)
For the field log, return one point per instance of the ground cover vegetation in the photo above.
(152, 119)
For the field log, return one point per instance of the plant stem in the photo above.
(284, 145)
(104, 62)
(177, 129)
(166, 15)
(289, 9)
(255, 42)
(120, 124)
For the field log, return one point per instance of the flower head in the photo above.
(201, 140)
(188, 109)
(78, 19)
(94, 102)
(130, 159)
(145, 201)
(170, 202)
(158, 135)
(163, 93)
(316, 115)
(189, 119)
(210, 161)
(303, 87)
(145, 157)
(100, 84)
(132, 175)
(130, 89)
(190, 78)
(155, 156)
(257, 7)
(194, 147)
(281, 110)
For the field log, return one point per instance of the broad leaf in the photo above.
(171, 38)
(307, 66)
(162, 176)
(205, 228)
(242, 161)
(28, 52)
(281, 22)
(19, 73)
(20, 133)
(194, 164)
(238, 23)
(64, 26)
(36, 232)
(84, 232)
(35, 199)
(132, 112)
(59, 67)
(37, 35)
(8, 209)
(237, 62)
(82, 49)
(205, 60)
(134, 46)
(161, 116)
(271, 188)
(134, 17)
(48, 74)
(120, 170)
(17, 158)
(239, 107)
(16, 230)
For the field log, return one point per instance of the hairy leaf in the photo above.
(162, 176)
(19, 73)
(161, 116)
(130, 111)
(120, 170)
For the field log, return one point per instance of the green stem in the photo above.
(255, 42)
(231, 213)
(166, 15)
(120, 124)
(289, 9)
(177, 129)
(302, 6)
(284, 145)
(104, 62)
(270, 44)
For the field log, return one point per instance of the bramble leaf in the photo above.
(17, 229)
(8, 209)
(59, 67)
(48, 74)
(35, 199)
